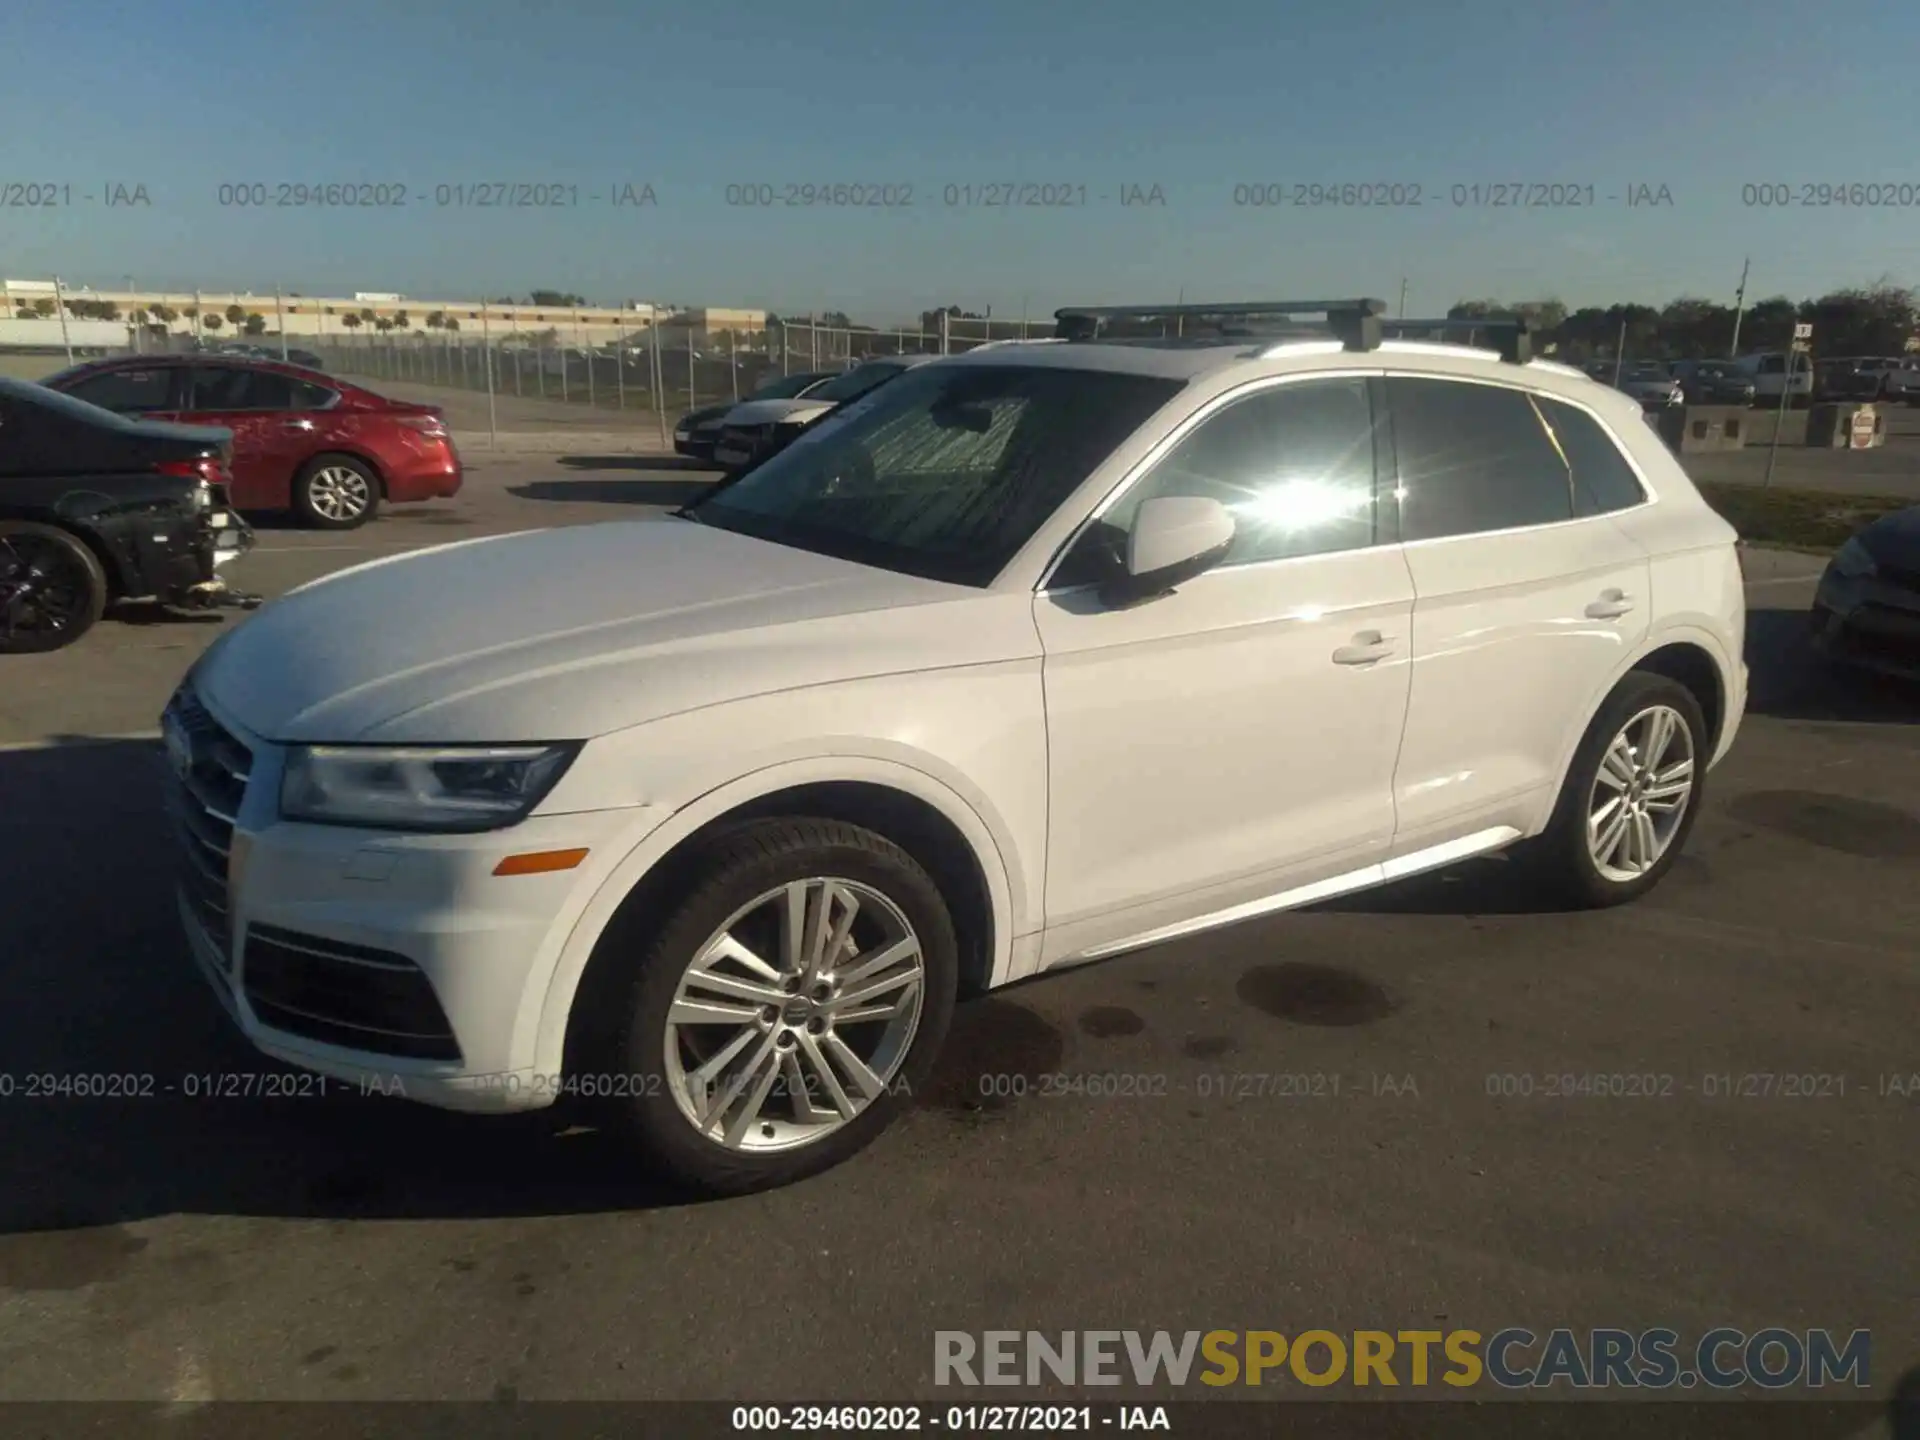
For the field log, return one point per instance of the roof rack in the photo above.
(1355, 323)
(1513, 338)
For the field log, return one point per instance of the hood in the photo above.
(1895, 539)
(708, 416)
(772, 412)
(562, 635)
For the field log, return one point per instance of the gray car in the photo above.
(1866, 613)
(1713, 382)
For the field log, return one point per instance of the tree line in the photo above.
(1869, 320)
(1866, 320)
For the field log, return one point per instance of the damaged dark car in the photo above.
(96, 510)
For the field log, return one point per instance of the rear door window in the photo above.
(1473, 458)
(224, 387)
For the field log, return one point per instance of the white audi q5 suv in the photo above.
(1035, 655)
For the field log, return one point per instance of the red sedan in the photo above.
(302, 440)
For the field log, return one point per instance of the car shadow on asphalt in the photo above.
(100, 984)
(675, 463)
(615, 492)
(1788, 680)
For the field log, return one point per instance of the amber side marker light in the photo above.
(540, 862)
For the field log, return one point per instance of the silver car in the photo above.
(1649, 382)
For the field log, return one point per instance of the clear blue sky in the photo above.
(1194, 97)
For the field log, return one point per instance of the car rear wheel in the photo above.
(1630, 797)
(336, 492)
(786, 1010)
(52, 588)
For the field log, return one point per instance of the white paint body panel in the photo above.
(1121, 776)
(1208, 742)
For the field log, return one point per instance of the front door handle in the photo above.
(1611, 605)
(1368, 648)
(296, 425)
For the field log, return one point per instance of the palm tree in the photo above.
(367, 316)
(350, 320)
(437, 320)
(451, 323)
(256, 324)
(212, 322)
(400, 321)
(236, 316)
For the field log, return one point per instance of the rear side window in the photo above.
(1473, 458)
(127, 392)
(220, 387)
(1603, 481)
(308, 396)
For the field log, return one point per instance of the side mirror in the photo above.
(1174, 538)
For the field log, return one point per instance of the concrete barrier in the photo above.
(1701, 429)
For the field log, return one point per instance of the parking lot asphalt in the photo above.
(185, 1249)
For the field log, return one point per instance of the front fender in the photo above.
(562, 981)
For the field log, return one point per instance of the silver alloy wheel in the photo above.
(1644, 785)
(795, 1015)
(339, 492)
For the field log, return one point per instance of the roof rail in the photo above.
(1512, 337)
(1355, 323)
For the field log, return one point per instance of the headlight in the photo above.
(463, 788)
(1853, 562)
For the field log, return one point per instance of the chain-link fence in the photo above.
(638, 378)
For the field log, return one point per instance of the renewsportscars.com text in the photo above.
(1514, 1358)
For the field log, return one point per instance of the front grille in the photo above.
(1893, 633)
(349, 995)
(1901, 577)
(204, 797)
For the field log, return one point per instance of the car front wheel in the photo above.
(1630, 797)
(336, 492)
(787, 1009)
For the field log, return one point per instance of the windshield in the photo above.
(786, 387)
(945, 473)
(61, 403)
(855, 383)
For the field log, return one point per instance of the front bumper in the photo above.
(1870, 623)
(398, 962)
(181, 566)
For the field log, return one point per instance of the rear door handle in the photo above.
(1368, 647)
(1610, 606)
(296, 425)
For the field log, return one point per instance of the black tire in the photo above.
(68, 593)
(1559, 858)
(740, 865)
(322, 485)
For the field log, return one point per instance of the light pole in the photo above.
(1739, 309)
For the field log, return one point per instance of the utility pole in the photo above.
(1739, 308)
(1403, 297)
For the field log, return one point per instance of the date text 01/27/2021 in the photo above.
(1476, 195)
